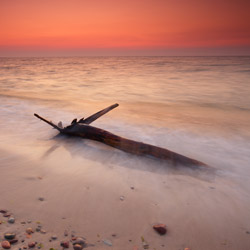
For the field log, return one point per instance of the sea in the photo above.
(196, 106)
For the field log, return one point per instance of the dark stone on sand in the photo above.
(9, 236)
(41, 199)
(3, 211)
(11, 220)
(160, 229)
(54, 237)
(65, 244)
(6, 215)
(5, 244)
(13, 241)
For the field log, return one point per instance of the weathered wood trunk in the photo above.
(82, 129)
(129, 146)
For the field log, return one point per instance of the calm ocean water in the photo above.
(198, 106)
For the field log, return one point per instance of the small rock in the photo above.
(23, 222)
(29, 221)
(43, 231)
(247, 232)
(107, 242)
(132, 188)
(38, 229)
(145, 245)
(3, 211)
(5, 244)
(65, 244)
(79, 241)
(29, 230)
(9, 236)
(54, 237)
(11, 220)
(41, 199)
(24, 247)
(122, 198)
(160, 228)
(113, 235)
(13, 241)
(31, 244)
(77, 247)
(66, 233)
(39, 245)
(6, 215)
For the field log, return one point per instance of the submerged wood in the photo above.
(84, 130)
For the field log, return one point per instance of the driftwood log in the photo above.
(83, 129)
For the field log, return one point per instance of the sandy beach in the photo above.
(100, 200)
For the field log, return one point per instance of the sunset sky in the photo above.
(124, 27)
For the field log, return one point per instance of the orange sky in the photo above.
(79, 27)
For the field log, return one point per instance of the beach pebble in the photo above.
(6, 215)
(132, 188)
(122, 198)
(77, 247)
(13, 241)
(160, 228)
(29, 230)
(41, 199)
(107, 242)
(11, 220)
(54, 237)
(79, 241)
(5, 244)
(65, 244)
(145, 245)
(39, 245)
(66, 233)
(29, 221)
(31, 244)
(9, 236)
(43, 231)
(3, 211)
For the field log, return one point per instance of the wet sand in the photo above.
(82, 186)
